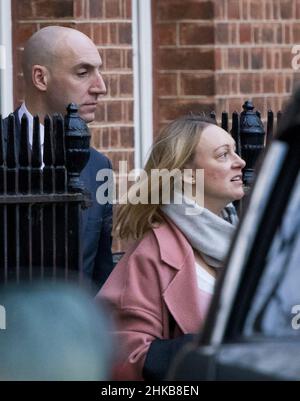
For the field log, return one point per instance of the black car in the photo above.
(253, 326)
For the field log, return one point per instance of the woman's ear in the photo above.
(40, 77)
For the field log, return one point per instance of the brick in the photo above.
(276, 10)
(112, 84)
(85, 28)
(95, 137)
(125, 33)
(269, 83)
(218, 59)
(127, 137)
(280, 84)
(101, 35)
(269, 9)
(234, 9)
(96, 8)
(23, 33)
(219, 10)
(257, 59)
(234, 58)
(246, 59)
(18, 61)
(166, 34)
(222, 33)
(245, 10)
(269, 58)
(170, 109)
(222, 84)
(245, 33)
(100, 112)
(196, 34)
(112, 9)
(224, 58)
(286, 9)
(22, 10)
(167, 84)
(193, 59)
(45, 9)
(288, 34)
(257, 82)
(260, 104)
(113, 59)
(128, 58)
(267, 34)
(114, 136)
(279, 34)
(297, 6)
(79, 7)
(287, 57)
(277, 59)
(257, 33)
(115, 157)
(246, 84)
(234, 84)
(288, 84)
(128, 111)
(114, 111)
(235, 104)
(233, 34)
(197, 84)
(105, 137)
(126, 85)
(296, 33)
(127, 8)
(256, 9)
(188, 9)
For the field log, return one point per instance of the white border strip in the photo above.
(6, 68)
(143, 82)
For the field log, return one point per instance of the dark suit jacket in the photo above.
(96, 220)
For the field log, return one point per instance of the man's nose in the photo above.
(98, 85)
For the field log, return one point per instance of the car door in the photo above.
(252, 328)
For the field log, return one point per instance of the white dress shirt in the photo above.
(23, 110)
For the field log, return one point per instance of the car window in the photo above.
(275, 309)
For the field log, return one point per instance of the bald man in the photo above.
(60, 66)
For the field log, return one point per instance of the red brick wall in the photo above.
(216, 54)
(109, 24)
(253, 55)
(183, 43)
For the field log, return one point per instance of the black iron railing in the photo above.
(41, 197)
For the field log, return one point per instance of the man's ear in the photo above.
(40, 77)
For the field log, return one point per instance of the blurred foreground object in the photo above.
(53, 332)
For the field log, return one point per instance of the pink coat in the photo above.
(155, 278)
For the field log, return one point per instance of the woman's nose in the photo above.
(240, 162)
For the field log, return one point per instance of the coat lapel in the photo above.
(182, 294)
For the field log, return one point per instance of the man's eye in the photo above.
(223, 155)
(82, 73)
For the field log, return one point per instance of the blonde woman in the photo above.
(161, 288)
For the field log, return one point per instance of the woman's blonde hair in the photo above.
(173, 149)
